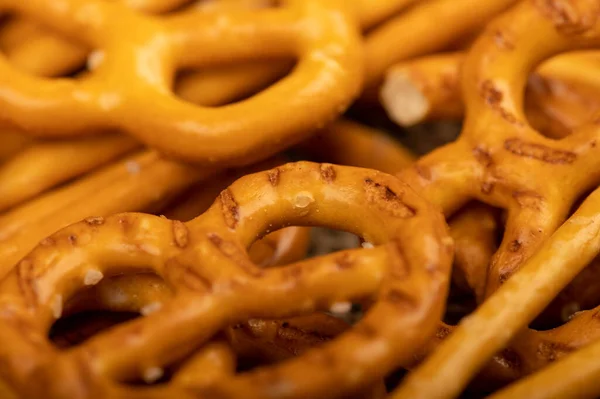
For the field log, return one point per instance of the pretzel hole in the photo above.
(43, 52)
(558, 101)
(225, 84)
(105, 303)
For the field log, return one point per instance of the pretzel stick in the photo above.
(346, 142)
(47, 164)
(223, 85)
(420, 36)
(118, 187)
(12, 143)
(563, 91)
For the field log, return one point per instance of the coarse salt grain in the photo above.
(57, 306)
(152, 374)
(150, 308)
(340, 307)
(92, 277)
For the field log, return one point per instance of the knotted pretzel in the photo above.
(406, 274)
(115, 94)
(500, 160)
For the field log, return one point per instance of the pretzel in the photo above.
(329, 69)
(12, 143)
(420, 36)
(253, 343)
(276, 248)
(46, 164)
(407, 274)
(560, 96)
(487, 163)
(119, 187)
(350, 143)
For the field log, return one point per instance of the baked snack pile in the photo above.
(163, 165)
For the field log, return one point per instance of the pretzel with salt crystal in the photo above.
(500, 160)
(118, 95)
(406, 274)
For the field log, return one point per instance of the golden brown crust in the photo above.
(501, 161)
(407, 275)
(332, 76)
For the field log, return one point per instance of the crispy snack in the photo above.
(350, 143)
(329, 68)
(500, 160)
(246, 345)
(44, 165)
(406, 275)
(561, 95)
(421, 34)
(12, 143)
(119, 187)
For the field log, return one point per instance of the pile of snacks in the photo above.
(155, 233)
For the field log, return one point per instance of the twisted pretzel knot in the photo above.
(119, 94)
(500, 160)
(407, 276)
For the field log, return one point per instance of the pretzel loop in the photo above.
(406, 275)
(121, 93)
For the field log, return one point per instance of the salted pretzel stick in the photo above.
(330, 67)
(350, 143)
(420, 35)
(406, 274)
(47, 164)
(488, 160)
(563, 90)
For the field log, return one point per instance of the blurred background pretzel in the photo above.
(329, 66)
(406, 281)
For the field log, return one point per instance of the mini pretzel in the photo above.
(406, 274)
(488, 163)
(329, 69)
(561, 95)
